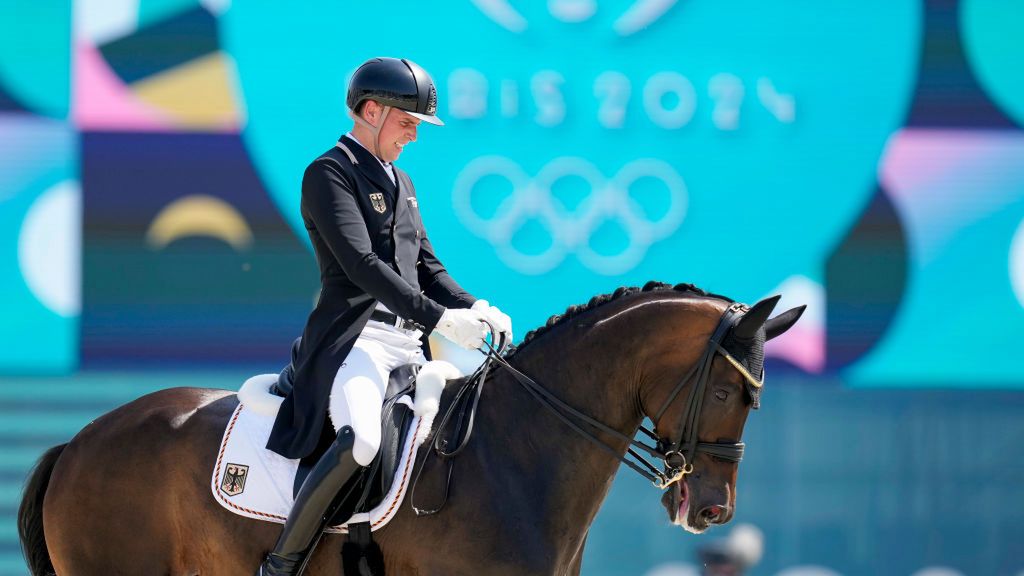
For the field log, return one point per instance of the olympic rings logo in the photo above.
(571, 231)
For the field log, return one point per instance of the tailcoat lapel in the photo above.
(369, 166)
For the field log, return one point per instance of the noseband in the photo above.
(676, 456)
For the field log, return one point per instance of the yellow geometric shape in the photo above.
(199, 215)
(198, 94)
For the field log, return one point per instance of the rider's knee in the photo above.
(363, 446)
(364, 450)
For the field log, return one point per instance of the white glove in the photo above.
(464, 327)
(496, 317)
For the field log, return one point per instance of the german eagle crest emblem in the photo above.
(234, 479)
(378, 202)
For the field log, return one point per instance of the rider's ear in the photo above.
(755, 318)
(782, 322)
(369, 111)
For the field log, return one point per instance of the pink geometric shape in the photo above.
(943, 181)
(102, 101)
(917, 159)
(802, 346)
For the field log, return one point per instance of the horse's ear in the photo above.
(755, 318)
(783, 322)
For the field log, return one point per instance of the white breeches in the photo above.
(357, 394)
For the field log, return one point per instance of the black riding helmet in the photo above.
(398, 83)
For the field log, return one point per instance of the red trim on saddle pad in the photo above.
(385, 517)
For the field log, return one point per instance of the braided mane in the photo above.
(598, 301)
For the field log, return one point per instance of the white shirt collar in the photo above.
(386, 165)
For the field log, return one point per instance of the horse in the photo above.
(130, 493)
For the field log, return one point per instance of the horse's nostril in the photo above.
(713, 513)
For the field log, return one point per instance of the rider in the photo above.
(382, 289)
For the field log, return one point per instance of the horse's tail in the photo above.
(30, 514)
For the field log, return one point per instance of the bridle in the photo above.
(676, 457)
(679, 456)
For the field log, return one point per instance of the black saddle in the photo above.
(396, 418)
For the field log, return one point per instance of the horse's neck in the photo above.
(592, 378)
(569, 476)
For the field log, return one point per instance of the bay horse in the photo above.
(130, 493)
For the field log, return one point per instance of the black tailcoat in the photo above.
(370, 244)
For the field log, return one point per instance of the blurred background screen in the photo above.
(863, 158)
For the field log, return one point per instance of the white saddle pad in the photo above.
(254, 482)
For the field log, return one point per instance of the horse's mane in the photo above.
(597, 301)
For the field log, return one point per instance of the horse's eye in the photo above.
(721, 395)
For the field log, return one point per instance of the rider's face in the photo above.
(399, 129)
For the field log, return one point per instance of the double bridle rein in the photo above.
(677, 457)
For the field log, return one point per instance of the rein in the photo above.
(676, 457)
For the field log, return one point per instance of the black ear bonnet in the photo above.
(749, 353)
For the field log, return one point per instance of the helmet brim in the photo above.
(426, 118)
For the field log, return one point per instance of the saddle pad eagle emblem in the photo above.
(234, 479)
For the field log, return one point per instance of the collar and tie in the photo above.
(388, 168)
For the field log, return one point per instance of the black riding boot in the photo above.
(313, 508)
